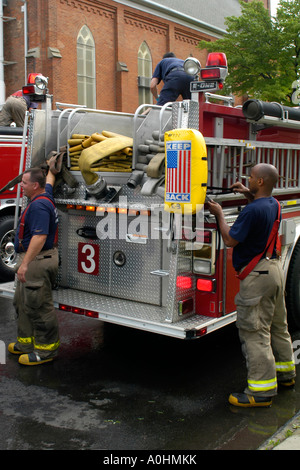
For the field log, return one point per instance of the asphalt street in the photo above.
(114, 388)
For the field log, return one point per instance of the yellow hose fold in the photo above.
(95, 153)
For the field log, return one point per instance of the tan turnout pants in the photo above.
(13, 110)
(37, 319)
(263, 331)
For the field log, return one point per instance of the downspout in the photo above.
(24, 10)
(2, 83)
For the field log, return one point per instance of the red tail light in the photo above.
(210, 74)
(28, 90)
(206, 285)
(184, 282)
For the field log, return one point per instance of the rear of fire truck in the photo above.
(137, 246)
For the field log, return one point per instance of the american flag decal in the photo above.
(178, 170)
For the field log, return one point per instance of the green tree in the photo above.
(263, 53)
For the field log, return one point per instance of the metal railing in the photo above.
(231, 160)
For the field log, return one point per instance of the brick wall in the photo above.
(118, 32)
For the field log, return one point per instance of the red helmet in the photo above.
(17, 93)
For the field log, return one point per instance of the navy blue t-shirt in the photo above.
(41, 219)
(164, 66)
(252, 229)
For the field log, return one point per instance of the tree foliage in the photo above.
(263, 53)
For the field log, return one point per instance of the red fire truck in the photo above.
(128, 254)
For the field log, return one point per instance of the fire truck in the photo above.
(130, 254)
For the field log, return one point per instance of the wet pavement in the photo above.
(114, 388)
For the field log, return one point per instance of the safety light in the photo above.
(41, 82)
(91, 314)
(201, 331)
(192, 66)
(216, 59)
(215, 69)
(206, 285)
(184, 282)
(201, 266)
(28, 90)
(78, 311)
(210, 74)
(32, 77)
(36, 86)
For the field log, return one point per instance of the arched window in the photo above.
(86, 75)
(144, 74)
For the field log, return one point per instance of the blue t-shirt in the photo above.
(41, 219)
(164, 66)
(252, 229)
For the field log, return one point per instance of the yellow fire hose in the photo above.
(107, 151)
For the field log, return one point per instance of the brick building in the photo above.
(103, 53)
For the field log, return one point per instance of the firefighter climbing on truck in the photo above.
(16, 105)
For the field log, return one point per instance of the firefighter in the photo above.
(14, 109)
(261, 312)
(176, 81)
(35, 241)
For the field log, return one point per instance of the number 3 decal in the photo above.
(88, 258)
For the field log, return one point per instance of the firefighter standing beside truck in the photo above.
(261, 313)
(38, 334)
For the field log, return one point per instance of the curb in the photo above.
(286, 438)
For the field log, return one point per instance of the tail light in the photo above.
(210, 74)
(206, 285)
(184, 282)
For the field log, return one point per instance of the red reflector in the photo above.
(90, 313)
(216, 59)
(184, 282)
(65, 308)
(205, 285)
(79, 311)
(210, 74)
(201, 332)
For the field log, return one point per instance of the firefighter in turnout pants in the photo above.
(38, 336)
(261, 313)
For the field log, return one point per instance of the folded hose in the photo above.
(106, 152)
